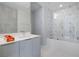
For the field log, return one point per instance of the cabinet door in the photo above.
(10, 50)
(36, 47)
(26, 48)
(0, 51)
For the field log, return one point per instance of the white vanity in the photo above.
(25, 45)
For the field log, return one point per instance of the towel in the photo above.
(9, 38)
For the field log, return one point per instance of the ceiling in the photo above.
(56, 5)
(17, 5)
(36, 5)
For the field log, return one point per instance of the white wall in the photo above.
(37, 23)
(41, 23)
(23, 19)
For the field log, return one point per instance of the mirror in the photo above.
(8, 20)
(14, 17)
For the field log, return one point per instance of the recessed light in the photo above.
(60, 5)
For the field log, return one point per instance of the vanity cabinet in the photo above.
(30, 48)
(25, 48)
(10, 50)
(36, 48)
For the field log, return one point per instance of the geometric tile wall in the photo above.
(65, 24)
(48, 19)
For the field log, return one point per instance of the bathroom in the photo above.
(39, 29)
(57, 24)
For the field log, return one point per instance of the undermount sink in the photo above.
(21, 35)
(17, 37)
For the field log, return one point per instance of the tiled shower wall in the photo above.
(66, 24)
(48, 23)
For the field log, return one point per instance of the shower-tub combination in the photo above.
(65, 33)
(59, 28)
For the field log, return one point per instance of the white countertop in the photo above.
(17, 36)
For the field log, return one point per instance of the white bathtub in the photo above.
(59, 48)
